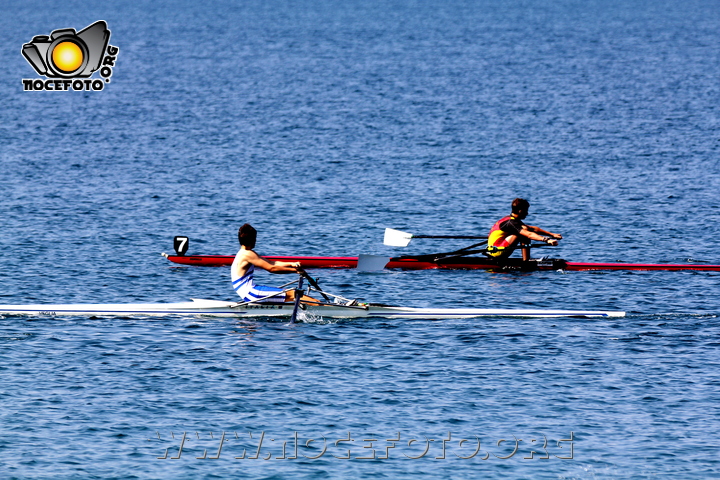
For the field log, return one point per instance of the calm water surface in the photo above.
(322, 123)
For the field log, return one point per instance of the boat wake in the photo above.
(307, 317)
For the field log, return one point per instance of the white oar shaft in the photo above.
(397, 238)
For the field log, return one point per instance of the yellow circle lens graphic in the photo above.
(67, 56)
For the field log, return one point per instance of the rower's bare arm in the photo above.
(529, 232)
(272, 267)
(286, 264)
(547, 233)
(540, 235)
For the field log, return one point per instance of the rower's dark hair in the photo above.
(247, 235)
(520, 204)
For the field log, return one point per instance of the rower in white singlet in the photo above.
(243, 269)
(249, 291)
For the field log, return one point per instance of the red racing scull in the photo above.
(457, 263)
(462, 259)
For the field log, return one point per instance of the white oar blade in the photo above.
(396, 238)
(372, 263)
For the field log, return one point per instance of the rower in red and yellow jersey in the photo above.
(509, 232)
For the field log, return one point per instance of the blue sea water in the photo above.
(322, 123)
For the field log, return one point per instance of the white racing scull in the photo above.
(340, 307)
(215, 308)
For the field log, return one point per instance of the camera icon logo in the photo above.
(66, 53)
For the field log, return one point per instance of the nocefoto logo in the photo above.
(68, 59)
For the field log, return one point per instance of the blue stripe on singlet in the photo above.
(256, 292)
(244, 279)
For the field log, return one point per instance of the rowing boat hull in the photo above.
(227, 260)
(461, 263)
(214, 308)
